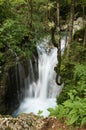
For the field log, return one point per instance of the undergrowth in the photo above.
(71, 106)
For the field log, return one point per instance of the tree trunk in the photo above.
(84, 26)
(70, 27)
(84, 41)
(53, 37)
(59, 42)
(52, 18)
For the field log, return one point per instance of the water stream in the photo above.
(41, 94)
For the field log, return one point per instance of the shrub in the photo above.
(72, 111)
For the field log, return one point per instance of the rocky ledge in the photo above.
(32, 122)
(22, 122)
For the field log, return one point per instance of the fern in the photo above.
(74, 111)
(83, 121)
(72, 119)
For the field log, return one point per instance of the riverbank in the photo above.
(33, 122)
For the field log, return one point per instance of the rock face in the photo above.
(18, 78)
(2, 96)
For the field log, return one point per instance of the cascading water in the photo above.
(41, 95)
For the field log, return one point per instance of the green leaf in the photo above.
(40, 112)
(72, 119)
(83, 121)
(68, 103)
(1, 2)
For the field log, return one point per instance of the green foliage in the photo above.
(73, 110)
(16, 38)
(77, 83)
(39, 112)
(1, 2)
(79, 35)
(72, 100)
(80, 72)
(74, 72)
(18, 2)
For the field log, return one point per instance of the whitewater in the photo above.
(41, 94)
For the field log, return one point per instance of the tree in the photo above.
(30, 10)
(70, 27)
(84, 22)
(58, 80)
(84, 41)
(52, 19)
(83, 12)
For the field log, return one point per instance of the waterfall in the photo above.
(41, 94)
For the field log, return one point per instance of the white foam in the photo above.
(45, 89)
